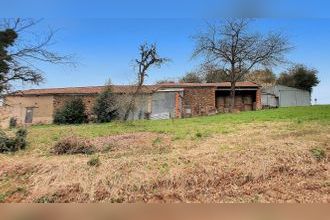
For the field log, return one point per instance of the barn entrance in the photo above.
(28, 115)
(166, 104)
(245, 100)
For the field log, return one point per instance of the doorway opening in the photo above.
(29, 115)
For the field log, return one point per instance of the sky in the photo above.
(103, 36)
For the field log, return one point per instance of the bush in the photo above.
(73, 112)
(198, 134)
(73, 145)
(13, 144)
(105, 107)
(94, 161)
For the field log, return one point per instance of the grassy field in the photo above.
(278, 155)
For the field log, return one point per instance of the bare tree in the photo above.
(18, 52)
(148, 58)
(263, 77)
(213, 74)
(237, 50)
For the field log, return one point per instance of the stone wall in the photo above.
(143, 103)
(89, 101)
(199, 101)
(42, 108)
(4, 116)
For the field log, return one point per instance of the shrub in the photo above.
(105, 107)
(45, 199)
(12, 122)
(73, 145)
(318, 153)
(94, 161)
(198, 134)
(12, 144)
(2, 198)
(73, 112)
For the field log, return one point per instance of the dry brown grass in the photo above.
(259, 162)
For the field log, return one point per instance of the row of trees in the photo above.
(298, 76)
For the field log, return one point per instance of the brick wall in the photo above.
(258, 99)
(200, 101)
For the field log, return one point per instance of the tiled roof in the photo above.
(222, 84)
(147, 89)
(85, 90)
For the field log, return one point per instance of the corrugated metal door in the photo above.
(163, 105)
(287, 98)
(269, 100)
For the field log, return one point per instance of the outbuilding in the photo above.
(172, 100)
(284, 96)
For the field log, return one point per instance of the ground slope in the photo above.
(279, 155)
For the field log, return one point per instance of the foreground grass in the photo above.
(44, 135)
(278, 155)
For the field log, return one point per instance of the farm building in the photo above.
(173, 100)
(284, 96)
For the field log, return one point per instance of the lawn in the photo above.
(183, 128)
(277, 155)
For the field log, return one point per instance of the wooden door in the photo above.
(29, 115)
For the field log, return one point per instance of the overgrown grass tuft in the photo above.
(94, 161)
(318, 153)
(73, 145)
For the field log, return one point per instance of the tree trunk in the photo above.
(232, 97)
(129, 109)
(131, 104)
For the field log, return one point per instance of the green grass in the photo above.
(182, 128)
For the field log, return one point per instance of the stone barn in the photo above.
(173, 100)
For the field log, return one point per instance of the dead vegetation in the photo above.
(73, 145)
(259, 162)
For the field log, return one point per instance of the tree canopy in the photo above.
(191, 77)
(263, 77)
(299, 76)
(106, 107)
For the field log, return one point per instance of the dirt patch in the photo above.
(14, 181)
(65, 194)
(141, 141)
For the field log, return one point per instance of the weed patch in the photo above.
(318, 153)
(2, 198)
(73, 145)
(13, 144)
(94, 161)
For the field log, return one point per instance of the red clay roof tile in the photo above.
(148, 89)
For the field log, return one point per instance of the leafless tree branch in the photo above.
(148, 57)
(239, 50)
